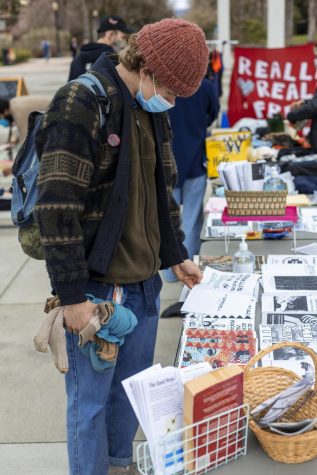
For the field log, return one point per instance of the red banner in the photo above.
(266, 81)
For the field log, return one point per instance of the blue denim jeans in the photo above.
(101, 424)
(191, 196)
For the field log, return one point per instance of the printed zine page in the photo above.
(131, 392)
(289, 269)
(289, 304)
(292, 284)
(310, 249)
(215, 228)
(289, 309)
(203, 299)
(201, 320)
(159, 397)
(246, 284)
(271, 334)
(293, 259)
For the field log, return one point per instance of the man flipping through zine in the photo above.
(108, 221)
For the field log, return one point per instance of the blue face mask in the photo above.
(156, 103)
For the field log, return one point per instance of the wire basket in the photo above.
(262, 383)
(256, 203)
(197, 448)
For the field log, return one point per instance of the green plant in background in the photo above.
(252, 32)
(22, 54)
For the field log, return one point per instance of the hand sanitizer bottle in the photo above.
(274, 183)
(243, 260)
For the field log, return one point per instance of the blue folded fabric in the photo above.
(121, 323)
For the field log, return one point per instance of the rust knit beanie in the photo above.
(176, 52)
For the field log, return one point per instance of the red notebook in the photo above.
(205, 397)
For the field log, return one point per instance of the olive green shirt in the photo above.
(137, 255)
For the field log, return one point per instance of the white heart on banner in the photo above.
(246, 86)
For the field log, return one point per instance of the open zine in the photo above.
(246, 284)
(201, 320)
(204, 300)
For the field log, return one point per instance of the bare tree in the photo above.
(312, 16)
(289, 20)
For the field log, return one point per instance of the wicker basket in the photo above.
(263, 383)
(256, 203)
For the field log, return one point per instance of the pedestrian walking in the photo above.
(73, 46)
(46, 49)
(108, 222)
(112, 32)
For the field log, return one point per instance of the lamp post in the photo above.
(95, 17)
(55, 7)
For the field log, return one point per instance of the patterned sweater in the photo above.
(83, 185)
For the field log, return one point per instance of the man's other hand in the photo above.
(188, 272)
(77, 316)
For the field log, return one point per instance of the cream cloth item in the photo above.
(52, 334)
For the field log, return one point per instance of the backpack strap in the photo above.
(91, 82)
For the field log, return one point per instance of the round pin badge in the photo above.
(113, 140)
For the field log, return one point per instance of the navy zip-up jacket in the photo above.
(189, 119)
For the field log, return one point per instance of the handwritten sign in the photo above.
(266, 81)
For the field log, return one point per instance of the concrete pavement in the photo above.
(40, 77)
(32, 401)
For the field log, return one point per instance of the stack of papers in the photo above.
(286, 357)
(156, 395)
(309, 219)
(217, 347)
(242, 175)
(289, 278)
(289, 310)
(215, 228)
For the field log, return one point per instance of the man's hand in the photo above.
(188, 273)
(296, 104)
(77, 316)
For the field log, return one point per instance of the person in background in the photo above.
(189, 121)
(73, 46)
(305, 110)
(46, 49)
(112, 36)
(8, 131)
(6, 118)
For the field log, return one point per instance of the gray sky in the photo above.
(179, 4)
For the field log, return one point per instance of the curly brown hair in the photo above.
(131, 58)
